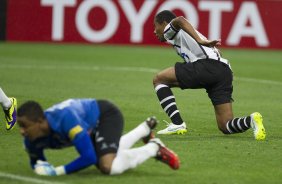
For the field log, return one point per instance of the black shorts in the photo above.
(106, 136)
(216, 77)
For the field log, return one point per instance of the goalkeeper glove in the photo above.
(46, 169)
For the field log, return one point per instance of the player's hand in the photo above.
(44, 168)
(211, 43)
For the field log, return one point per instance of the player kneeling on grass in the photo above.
(94, 127)
(203, 67)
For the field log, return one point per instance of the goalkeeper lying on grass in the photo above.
(94, 127)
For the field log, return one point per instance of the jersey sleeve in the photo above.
(82, 142)
(87, 154)
(170, 32)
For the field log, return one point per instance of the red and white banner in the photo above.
(240, 23)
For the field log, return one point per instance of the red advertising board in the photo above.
(240, 23)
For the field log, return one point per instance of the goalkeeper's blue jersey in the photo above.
(65, 116)
(69, 121)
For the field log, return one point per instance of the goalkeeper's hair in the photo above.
(165, 16)
(32, 110)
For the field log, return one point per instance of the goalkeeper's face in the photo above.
(30, 129)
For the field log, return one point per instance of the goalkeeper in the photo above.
(94, 127)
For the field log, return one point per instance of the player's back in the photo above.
(188, 48)
(84, 112)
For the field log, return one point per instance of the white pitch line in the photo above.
(262, 81)
(120, 69)
(90, 68)
(26, 179)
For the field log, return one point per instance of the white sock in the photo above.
(130, 158)
(4, 100)
(129, 139)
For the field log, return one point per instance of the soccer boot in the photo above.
(256, 123)
(11, 114)
(151, 123)
(166, 155)
(174, 129)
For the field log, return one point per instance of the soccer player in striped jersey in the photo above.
(203, 67)
(9, 106)
(94, 128)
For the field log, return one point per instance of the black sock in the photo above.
(238, 125)
(167, 101)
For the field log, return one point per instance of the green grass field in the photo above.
(51, 73)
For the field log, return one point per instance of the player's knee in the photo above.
(223, 129)
(158, 80)
(105, 163)
(105, 168)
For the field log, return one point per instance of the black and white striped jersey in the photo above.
(188, 48)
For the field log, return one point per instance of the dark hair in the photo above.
(32, 110)
(165, 16)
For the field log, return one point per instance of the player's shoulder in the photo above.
(170, 32)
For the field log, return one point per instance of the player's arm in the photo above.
(37, 159)
(82, 142)
(83, 145)
(85, 148)
(182, 23)
(35, 153)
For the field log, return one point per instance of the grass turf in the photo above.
(51, 73)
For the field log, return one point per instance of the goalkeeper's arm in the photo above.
(87, 156)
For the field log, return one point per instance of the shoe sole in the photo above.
(178, 132)
(152, 126)
(11, 126)
(261, 134)
(173, 161)
(181, 132)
